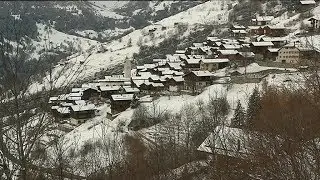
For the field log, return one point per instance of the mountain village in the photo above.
(191, 70)
(211, 108)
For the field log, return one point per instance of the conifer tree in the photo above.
(254, 107)
(239, 116)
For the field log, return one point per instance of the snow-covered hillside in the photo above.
(105, 8)
(52, 39)
(107, 132)
(87, 64)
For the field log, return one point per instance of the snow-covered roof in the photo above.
(264, 18)
(238, 27)
(83, 107)
(54, 107)
(253, 27)
(74, 98)
(122, 97)
(131, 89)
(213, 39)
(307, 2)
(63, 110)
(273, 50)
(109, 88)
(118, 78)
(62, 97)
(193, 61)
(142, 75)
(273, 39)
(74, 90)
(239, 31)
(178, 73)
(276, 27)
(76, 94)
(230, 41)
(156, 84)
(264, 43)
(205, 48)
(172, 58)
(180, 51)
(196, 56)
(231, 46)
(197, 44)
(316, 17)
(227, 141)
(178, 78)
(65, 104)
(79, 102)
(175, 65)
(202, 73)
(246, 54)
(228, 52)
(55, 98)
(208, 61)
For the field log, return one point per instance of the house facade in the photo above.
(213, 64)
(196, 81)
(315, 23)
(293, 54)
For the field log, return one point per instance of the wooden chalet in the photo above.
(315, 23)
(272, 54)
(115, 80)
(277, 41)
(244, 58)
(229, 144)
(211, 41)
(191, 64)
(196, 81)
(83, 111)
(90, 92)
(262, 20)
(227, 54)
(121, 102)
(60, 112)
(306, 5)
(107, 91)
(260, 47)
(213, 64)
(173, 84)
(274, 31)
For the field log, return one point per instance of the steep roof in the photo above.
(83, 107)
(264, 43)
(209, 61)
(274, 39)
(213, 39)
(122, 97)
(264, 18)
(316, 17)
(273, 50)
(202, 73)
(307, 2)
(231, 46)
(239, 31)
(228, 52)
(193, 61)
(109, 88)
(227, 141)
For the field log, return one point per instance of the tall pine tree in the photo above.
(239, 116)
(254, 106)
